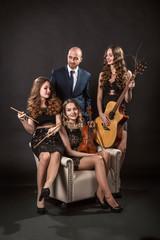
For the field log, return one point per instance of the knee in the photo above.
(44, 158)
(99, 160)
(122, 149)
(107, 155)
(56, 157)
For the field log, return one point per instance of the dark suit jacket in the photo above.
(60, 81)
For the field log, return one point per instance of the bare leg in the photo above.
(97, 162)
(100, 194)
(42, 167)
(52, 169)
(122, 146)
(106, 157)
(50, 163)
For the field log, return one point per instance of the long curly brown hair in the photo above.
(54, 105)
(119, 65)
(65, 120)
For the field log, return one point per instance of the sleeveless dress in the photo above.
(111, 92)
(75, 138)
(50, 144)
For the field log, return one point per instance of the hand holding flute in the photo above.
(27, 121)
(22, 115)
(51, 131)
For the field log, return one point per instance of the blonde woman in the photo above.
(73, 122)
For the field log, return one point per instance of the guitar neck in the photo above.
(120, 99)
(140, 68)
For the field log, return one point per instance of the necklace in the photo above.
(72, 126)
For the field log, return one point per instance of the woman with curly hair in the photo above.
(112, 81)
(72, 137)
(45, 108)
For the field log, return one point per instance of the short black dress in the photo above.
(111, 92)
(50, 144)
(75, 138)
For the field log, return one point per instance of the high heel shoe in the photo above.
(44, 194)
(113, 209)
(41, 210)
(98, 201)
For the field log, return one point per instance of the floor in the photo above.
(83, 220)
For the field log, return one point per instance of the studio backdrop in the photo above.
(35, 37)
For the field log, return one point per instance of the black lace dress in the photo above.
(75, 138)
(111, 92)
(50, 144)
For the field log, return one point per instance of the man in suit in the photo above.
(72, 81)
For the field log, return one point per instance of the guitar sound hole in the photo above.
(111, 115)
(105, 127)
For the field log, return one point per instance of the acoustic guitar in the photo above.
(110, 136)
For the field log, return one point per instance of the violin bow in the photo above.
(48, 135)
(26, 115)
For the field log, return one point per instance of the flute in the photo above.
(26, 115)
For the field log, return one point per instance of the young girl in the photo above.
(73, 122)
(45, 108)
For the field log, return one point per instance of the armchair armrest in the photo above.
(115, 158)
(65, 161)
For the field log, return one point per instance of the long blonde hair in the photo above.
(119, 65)
(65, 120)
(53, 104)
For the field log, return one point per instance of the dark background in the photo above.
(35, 37)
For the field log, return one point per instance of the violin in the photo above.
(87, 145)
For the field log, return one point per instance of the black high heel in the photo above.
(98, 201)
(113, 209)
(41, 210)
(44, 194)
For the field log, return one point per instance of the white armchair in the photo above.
(70, 186)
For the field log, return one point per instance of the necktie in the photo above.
(71, 80)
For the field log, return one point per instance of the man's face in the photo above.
(74, 58)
